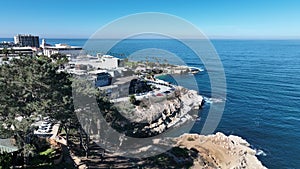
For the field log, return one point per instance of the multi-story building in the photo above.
(27, 41)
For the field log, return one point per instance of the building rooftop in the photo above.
(94, 72)
(8, 146)
(76, 71)
(26, 35)
(123, 80)
(108, 56)
(19, 48)
(62, 46)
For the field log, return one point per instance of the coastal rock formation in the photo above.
(195, 151)
(187, 150)
(220, 151)
(159, 113)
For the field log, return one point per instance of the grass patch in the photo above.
(49, 151)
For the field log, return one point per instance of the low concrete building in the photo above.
(100, 62)
(109, 62)
(70, 51)
(119, 88)
(101, 77)
(7, 44)
(16, 51)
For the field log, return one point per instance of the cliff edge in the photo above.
(220, 151)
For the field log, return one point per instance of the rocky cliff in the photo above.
(187, 150)
(220, 151)
(164, 112)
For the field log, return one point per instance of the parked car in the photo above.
(167, 92)
(159, 94)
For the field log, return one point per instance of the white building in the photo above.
(109, 62)
(16, 51)
(71, 51)
(100, 62)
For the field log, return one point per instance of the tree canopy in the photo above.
(31, 86)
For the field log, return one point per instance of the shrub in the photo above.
(132, 99)
(49, 152)
(190, 139)
(5, 160)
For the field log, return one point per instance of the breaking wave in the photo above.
(213, 100)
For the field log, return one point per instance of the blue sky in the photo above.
(216, 18)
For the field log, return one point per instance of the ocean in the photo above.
(263, 90)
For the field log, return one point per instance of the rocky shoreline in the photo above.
(216, 151)
(213, 151)
(157, 114)
(220, 151)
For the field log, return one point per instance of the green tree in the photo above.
(30, 86)
(59, 58)
(5, 160)
(5, 52)
(12, 51)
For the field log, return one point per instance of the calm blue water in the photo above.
(263, 97)
(263, 91)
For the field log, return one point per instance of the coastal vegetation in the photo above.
(29, 87)
(132, 99)
(33, 86)
(5, 160)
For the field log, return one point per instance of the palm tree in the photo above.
(157, 61)
(5, 52)
(12, 51)
(147, 61)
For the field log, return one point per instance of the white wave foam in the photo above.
(198, 68)
(212, 100)
(201, 69)
(260, 152)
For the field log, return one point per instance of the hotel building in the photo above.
(27, 41)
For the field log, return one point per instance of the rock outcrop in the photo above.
(220, 151)
(170, 110)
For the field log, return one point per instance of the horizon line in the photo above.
(149, 38)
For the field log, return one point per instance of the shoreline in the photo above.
(220, 151)
(179, 114)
